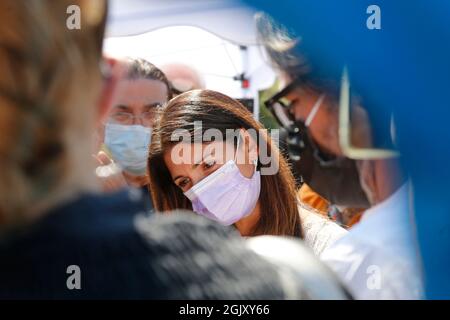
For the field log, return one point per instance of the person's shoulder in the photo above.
(206, 260)
(124, 255)
(362, 261)
(371, 272)
(214, 262)
(319, 231)
(94, 234)
(360, 239)
(354, 245)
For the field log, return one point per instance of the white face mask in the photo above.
(129, 146)
(226, 196)
(314, 109)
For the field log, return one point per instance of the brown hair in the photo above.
(49, 81)
(279, 212)
(288, 53)
(142, 69)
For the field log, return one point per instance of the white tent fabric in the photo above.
(228, 19)
(205, 34)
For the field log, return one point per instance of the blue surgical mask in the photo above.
(128, 145)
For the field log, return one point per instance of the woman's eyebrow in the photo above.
(121, 107)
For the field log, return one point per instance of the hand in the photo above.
(109, 174)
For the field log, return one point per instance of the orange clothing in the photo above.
(350, 216)
(311, 198)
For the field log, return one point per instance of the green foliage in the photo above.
(265, 116)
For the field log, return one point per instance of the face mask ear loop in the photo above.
(237, 146)
(314, 110)
(255, 162)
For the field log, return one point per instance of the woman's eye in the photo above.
(183, 183)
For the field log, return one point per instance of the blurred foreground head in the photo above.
(49, 85)
(51, 96)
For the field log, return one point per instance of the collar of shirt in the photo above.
(390, 221)
(384, 237)
(393, 207)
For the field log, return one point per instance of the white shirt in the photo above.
(318, 232)
(378, 259)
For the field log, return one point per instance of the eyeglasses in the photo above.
(345, 132)
(279, 109)
(281, 112)
(126, 118)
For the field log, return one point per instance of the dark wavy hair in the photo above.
(142, 69)
(279, 211)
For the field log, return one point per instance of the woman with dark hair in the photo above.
(243, 187)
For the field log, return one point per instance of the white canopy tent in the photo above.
(216, 37)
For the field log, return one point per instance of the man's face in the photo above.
(136, 100)
(324, 126)
(133, 102)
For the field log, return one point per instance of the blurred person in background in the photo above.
(125, 134)
(307, 105)
(229, 180)
(60, 235)
(182, 78)
(383, 242)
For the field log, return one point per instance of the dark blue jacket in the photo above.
(123, 254)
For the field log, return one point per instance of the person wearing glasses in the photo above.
(348, 159)
(305, 108)
(126, 132)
